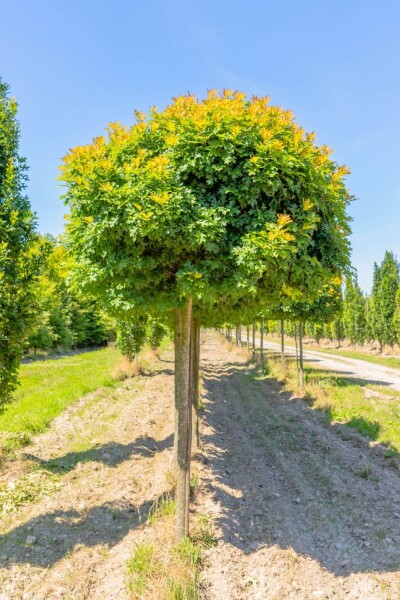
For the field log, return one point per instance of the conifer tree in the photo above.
(354, 321)
(385, 287)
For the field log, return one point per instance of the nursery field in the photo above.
(285, 502)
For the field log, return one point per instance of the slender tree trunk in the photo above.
(248, 338)
(183, 413)
(295, 341)
(262, 338)
(194, 382)
(282, 343)
(239, 330)
(301, 371)
(254, 339)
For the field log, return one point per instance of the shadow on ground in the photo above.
(110, 454)
(286, 476)
(59, 532)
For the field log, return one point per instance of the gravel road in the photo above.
(352, 368)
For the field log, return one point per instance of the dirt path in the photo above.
(303, 509)
(360, 371)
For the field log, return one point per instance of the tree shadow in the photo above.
(155, 372)
(286, 475)
(46, 539)
(111, 454)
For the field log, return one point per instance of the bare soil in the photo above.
(302, 509)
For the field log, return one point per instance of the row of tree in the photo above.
(362, 318)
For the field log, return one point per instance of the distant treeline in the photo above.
(64, 318)
(364, 318)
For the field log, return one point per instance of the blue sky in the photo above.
(74, 66)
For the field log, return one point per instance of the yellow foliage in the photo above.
(307, 204)
(160, 198)
(145, 216)
(284, 220)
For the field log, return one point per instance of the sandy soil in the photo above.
(301, 509)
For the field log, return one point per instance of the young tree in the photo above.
(19, 252)
(208, 207)
(131, 336)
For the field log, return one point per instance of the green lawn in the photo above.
(48, 386)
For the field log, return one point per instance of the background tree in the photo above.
(396, 318)
(383, 300)
(131, 336)
(354, 320)
(19, 253)
(65, 318)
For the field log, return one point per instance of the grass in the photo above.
(377, 416)
(163, 506)
(160, 568)
(165, 570)
(49, 386)
(142, 566)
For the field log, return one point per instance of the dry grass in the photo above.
(126, 369)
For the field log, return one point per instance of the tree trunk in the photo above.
(301, 370)
(254, 339)
(282, 343)
(183, 413)
(194, 381)
(248, 337)
(295, 341)
(262, 338)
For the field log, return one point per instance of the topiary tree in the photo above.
(19, 253)
(206, 208)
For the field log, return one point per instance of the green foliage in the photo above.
(396, 317)
(383, 300)
(65, 318)
(19, 253)
(226, 200)
(131, 336)
(354, 316)
(156, 331)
